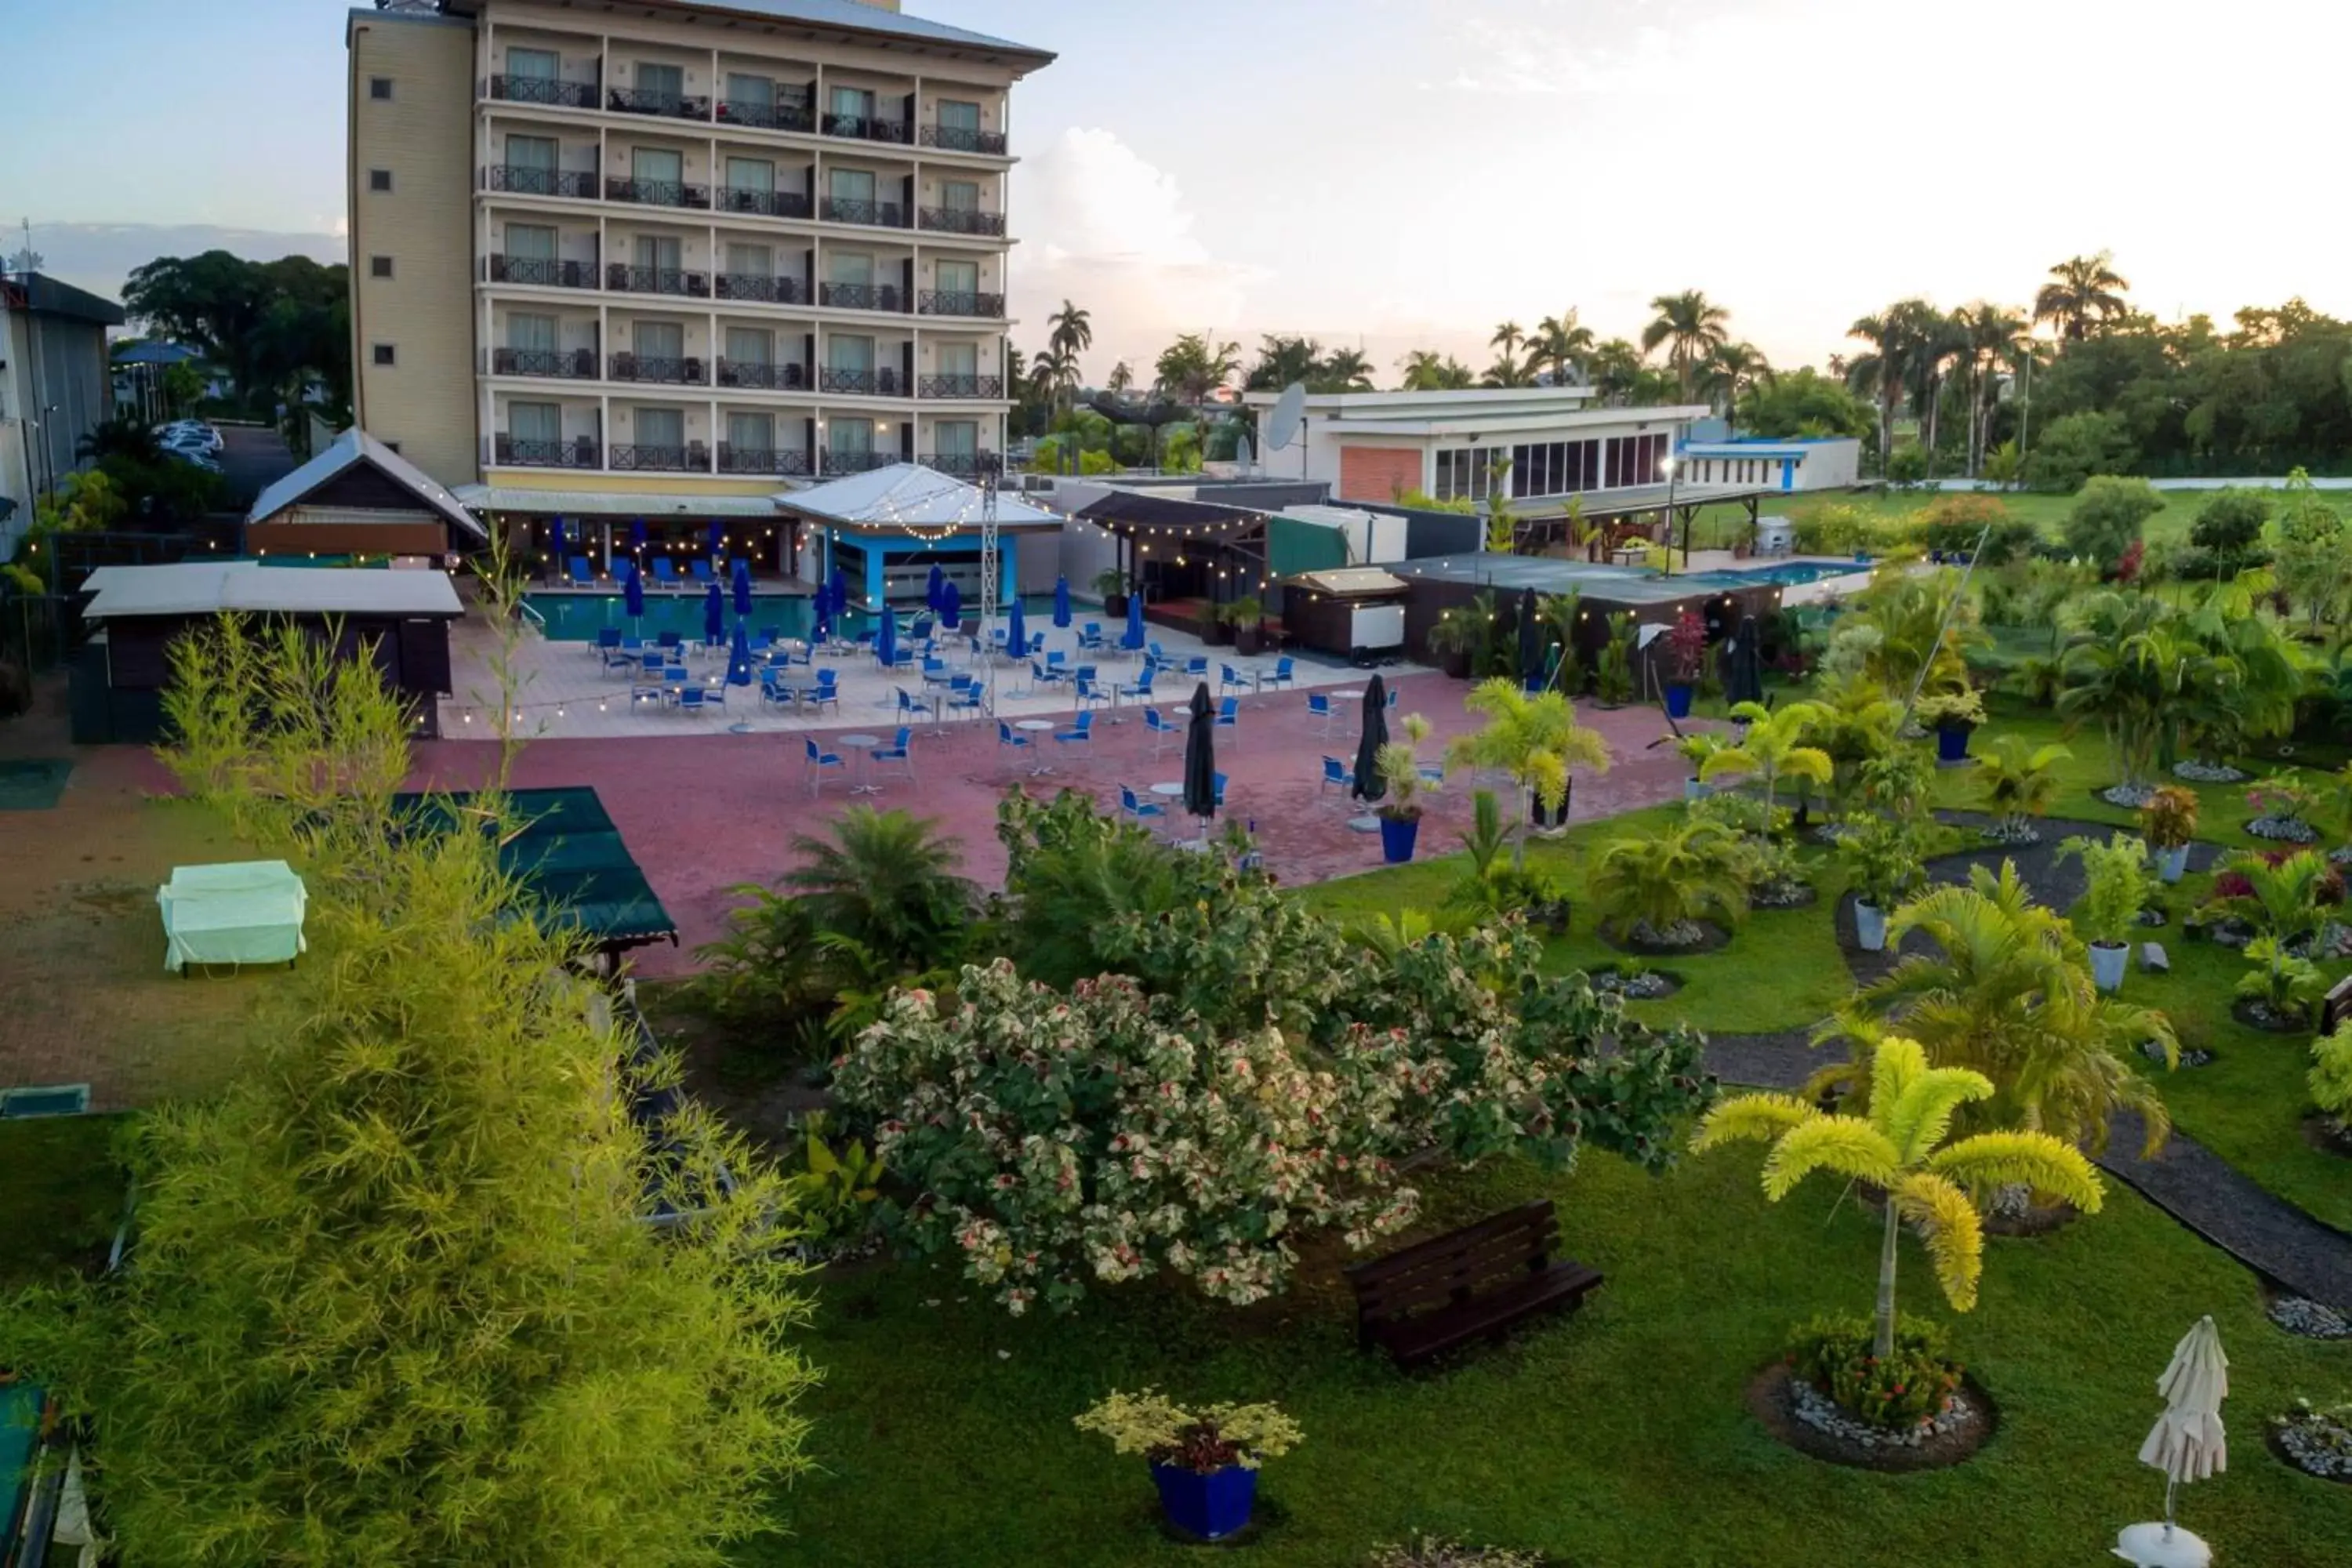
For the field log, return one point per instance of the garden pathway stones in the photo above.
(2186, 1179)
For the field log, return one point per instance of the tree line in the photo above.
(279, 332)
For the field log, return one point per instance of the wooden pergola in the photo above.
(1678, 504)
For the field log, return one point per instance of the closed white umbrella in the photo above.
(2188, 1444)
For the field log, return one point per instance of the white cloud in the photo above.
(1101, 224)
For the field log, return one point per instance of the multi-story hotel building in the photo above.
(690, 251)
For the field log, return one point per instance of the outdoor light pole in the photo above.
(1670, 507)
(988, 569)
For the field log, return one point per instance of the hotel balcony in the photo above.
(580, 452)
(862, 296)
(964, 464)
(962, 220)
(768, 204)
(789, 112)
(955, 386)
(523, 181)
(544, 90)
(876, 215)
(947, 302)
(570, 364)
(543, 271)
(862, 383)
(666, 105)
(759, 286)
(693, 458)
(870, 128)
(857, 462)
(626, 278)
(956, 139)
(763, 460)
(687, 371)
(657, 193)
(771, 377)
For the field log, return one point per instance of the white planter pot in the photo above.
(2171, 864)
(1869, 927)
(2110, 961)
(1693, 790)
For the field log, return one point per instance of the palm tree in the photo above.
(1616, 370)
(1122, 377)
(2016, 784)
(1897, 337)
(1345, 370)
(1282, 360)
(1896, 1148)
(1691, 328)
(2084, 291)
(1689, 871)
(1561, 345)
(1731, 369)
(1507, 371)
(1073, 329)
(886, 879)
(1507, 338)
(1423, 370)
(124, 435)
(1937, 340)
(1996, 335)
(1535, 739)
(1192, 367)
(1774, 745)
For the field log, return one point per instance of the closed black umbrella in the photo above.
(1743, 675)
(1201, 757)
(1531, 669)
(1370, 786)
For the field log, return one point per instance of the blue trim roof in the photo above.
(1758, 446)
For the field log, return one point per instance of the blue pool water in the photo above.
(578, 617)
(1783, 574)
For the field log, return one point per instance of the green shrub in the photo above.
(1832, 1352)
(1956, 521)
(1907, 464)
(2110, 518)
(2229, 528)
(2075, 446)
(1833, 528)
(2331, 1072)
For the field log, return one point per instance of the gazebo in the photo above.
(885, 530)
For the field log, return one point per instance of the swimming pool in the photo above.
(1784, 574)
(578, 617)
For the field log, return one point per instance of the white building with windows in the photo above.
(677, 249)
(1798, 463)
(1378, 446)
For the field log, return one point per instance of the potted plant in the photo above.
(1454, 640)
(1214, 630)
(1613, 677)
(1537, 740)
(1883, 861)
(2119, 886)
(1952, 715)
(1698, 748)
(1204, 1462)
(1399, 808)
(1110, 587)
(2168, 821)
(1685, 655)
(1246, 617)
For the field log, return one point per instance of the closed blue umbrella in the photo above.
(1016, 636)
(885, 636)
(932, 589)
(714, 616)
(840, 590)
(742, 586)
(1134, 637)
(637, 536)
(718, 538)
(739, 659)
(1061, 601)
(821, 629)
(555, 544)
(950, 607)
(633, 591)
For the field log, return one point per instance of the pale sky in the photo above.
(1400, 173)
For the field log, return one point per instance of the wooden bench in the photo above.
(1467, 1284)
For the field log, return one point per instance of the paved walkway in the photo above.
(2189, 1182)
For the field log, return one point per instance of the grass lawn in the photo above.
(1718, 525)
(61, 1195)
(1617, 1436)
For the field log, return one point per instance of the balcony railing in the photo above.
(761, 460)
(691, 458)
(962, 220)
(881, 214)
(666, 371)
(784, 114)
(959, 386)
(857, 462)
(956, 139)
(964, 464)
(631, 280)
(759, 286)
(573, 365)
(525, 181)
(657, 193)
(762, 374)
(544, 90)
(580, 452)
(955, 302)
(543, 271)
(862, 296)
(868, 128)
(670, 105)
(864, 383)
(770, 204)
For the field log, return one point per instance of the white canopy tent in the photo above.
(887, 528)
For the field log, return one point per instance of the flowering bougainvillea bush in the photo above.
(1100, 1133)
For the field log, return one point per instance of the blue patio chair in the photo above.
(608, 638)
(692, 700)
(676, 674)
(703, 575)
(1044, 674)
(1219, 781)
(1319, 709)
(581, 575)
(814, 764)
(1006, 735)
(1160, 731)
(1231, 679)
(920, 630)
(651, 665)
(1197, 668)
(673, 641)
(1090, 638)
(1080, 734)
(665, 573)
(1394, 696)
(1336, 772)
(909, 707)
(899, 750)
(772, 691)
(1285, 673)
(1090, 693)
(936, 672)
(1229, 714)
(1137, 689)
(967, 696)
(772, 636)
(1158, 655)
(1137, 811)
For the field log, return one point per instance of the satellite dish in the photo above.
(1290, 412)
(1242, 453)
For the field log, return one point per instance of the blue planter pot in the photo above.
(1397, 839)
(1952, 744)
(1209, 1507)
(1678, 701)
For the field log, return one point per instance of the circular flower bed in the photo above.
(2284, 829)
(1683, 936)
(2310, 1320)
(2130, 796)
(2258, 1013)
(2190, 1056)
(2019, 835)
(2150, 916)
(1789, 895)
(1641, 986)
(2209, 773)
(1809, 1421)
(2316, 1441)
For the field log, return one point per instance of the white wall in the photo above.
(1831, 466)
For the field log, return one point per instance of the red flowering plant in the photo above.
(2327, 889)
(1833, 1353)
(1686, 647)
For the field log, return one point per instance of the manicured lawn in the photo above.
(1719, 525)
(1615, 1438)
(61, 1195)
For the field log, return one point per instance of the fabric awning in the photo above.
(1133, 509)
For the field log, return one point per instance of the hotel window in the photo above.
(531, 164)
(752, 432)
(661, 427)
(846, 351)
(854, 268)
(535, 422)
(659, 252)
(750, 346)
(849, 185)
(960, 195)
(750, 260)
(957, 115)
(531, 242)
(531, 334)
(665, 84)
(851, 437)
(853, 104)
(956, 438)
(658, 340)
(959, 278)
(959, 359)
(753, 178)
(656, 166)
(752, 97)
(532, 65)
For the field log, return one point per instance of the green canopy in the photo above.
(569, 858)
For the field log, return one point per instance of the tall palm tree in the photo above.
(1072, 328)
(2084, 291)
(1194, 366)
(1423, 370)
(1896, 1148)
(1885, 370)
(1345, 370)
(1122, 377)
(1508, 372)
(1732, 369)
(1507, 338)
(1935, 341)
(1561, 345)
(1616, 370)
(1691, 328)
(1996, 335)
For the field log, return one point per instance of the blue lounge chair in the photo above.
(1091, 693)
(1231, 679)
(581, 575)
(1080, 734)
(899, 750)
(1137, 811)
(814, 764)
(772, 692)
(1336, 772)
(1197, 668)
(665, 573)
(1138, 690)
(703, 575)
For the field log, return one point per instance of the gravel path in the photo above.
(2187, 1180)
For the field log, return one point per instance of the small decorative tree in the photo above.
(1536, 739)
(2119, 888)
(2018, 784)
(1656, 890)
(1686, 648)
(1775, 745)
(2282, 898)
(2169, 823)
(1614, 677)
(1899, 1149)
(1400, 765)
